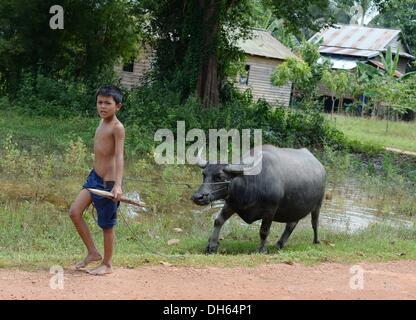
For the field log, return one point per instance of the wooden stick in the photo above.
(122, 199)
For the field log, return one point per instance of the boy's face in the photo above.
(107, 107)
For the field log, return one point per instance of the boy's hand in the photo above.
(117, 192)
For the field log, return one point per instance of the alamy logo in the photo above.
(240, 146)
(57, 280)
(57, 20)
(357, 278)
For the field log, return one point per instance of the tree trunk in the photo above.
(363, 105)
(208, 82)
(292, 96)
(340, 105)
(375, 109)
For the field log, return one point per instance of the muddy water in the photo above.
(346, 209)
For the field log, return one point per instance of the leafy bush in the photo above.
(76, 157)
(15, 161)
(158, 105)
(4, 102)
(153, 107)
(42, 95)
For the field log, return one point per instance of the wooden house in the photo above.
(263, 54)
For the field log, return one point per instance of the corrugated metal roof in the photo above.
(265, 45)
(358, 37)
(349, 52)
(354, 40)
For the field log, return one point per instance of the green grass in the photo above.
(47, 133)
(35, 235)
(37, 187)
(401, 135)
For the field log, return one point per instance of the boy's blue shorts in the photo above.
(106, 208)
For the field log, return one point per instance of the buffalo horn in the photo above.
(201, 162)
(241, 168)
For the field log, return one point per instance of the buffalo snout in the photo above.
(199, 198)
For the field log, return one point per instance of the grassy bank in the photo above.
(38, 236)
(401, 135)
(45, 161)
(46, 133)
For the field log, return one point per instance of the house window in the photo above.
(129, 66)
(244, 75)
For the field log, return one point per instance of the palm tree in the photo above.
(264, 19)
(353, 11)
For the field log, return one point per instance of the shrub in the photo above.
(153, 107)
(42, 95)
(4, 102)
(76, 157)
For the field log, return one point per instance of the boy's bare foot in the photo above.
(101, 270)
(88, 259)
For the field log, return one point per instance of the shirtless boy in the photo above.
(106, 175)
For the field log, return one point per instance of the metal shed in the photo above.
(358, 43)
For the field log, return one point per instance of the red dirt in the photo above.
(391, 280)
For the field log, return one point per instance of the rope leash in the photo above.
(143, 244)
(215, 191)
(189, 185)
(135, 236)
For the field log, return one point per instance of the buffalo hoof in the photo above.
(316, 242)
(279, 245)
(262, 249)
(211, 249)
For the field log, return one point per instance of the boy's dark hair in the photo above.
(110, 90)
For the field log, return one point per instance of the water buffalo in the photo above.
(291, 185)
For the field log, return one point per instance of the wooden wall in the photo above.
(261, 69)
(142, 64)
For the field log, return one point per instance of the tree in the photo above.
(305, 73)
(337, 82)
(296, 71)
(384, 86)
(264, 18)
(196, 40)
(400, 14)
(299, 15)
(96, 33)
(354, 11)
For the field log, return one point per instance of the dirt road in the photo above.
(392, 280)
